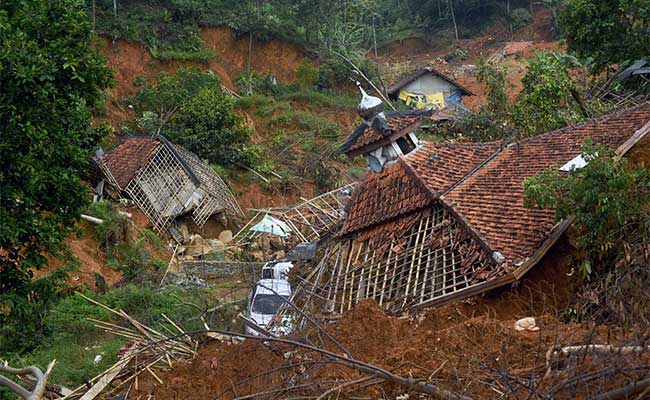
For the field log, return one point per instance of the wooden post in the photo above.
(408, 278)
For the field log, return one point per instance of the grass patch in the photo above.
(74, 341)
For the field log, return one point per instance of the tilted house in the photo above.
(428, 88)
(448, 221)
(166, 181)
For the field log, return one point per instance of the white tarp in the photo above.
(272, 225)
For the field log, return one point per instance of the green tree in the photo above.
(159, 101)
(609, 199)
(208, 125)
(550, 98)
(607, 32)
(50, 81)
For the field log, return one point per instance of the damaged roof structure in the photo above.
(166, 181)
(448, 221)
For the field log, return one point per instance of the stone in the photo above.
(225, 236)
(256, 255)
(276, 243)
(278, 254)
(217, 245)
(198, 246)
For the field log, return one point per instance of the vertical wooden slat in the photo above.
(408, 278)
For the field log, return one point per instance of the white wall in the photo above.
(428, 83)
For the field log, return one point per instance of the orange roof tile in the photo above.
(492, 198)
(125, 160)
(483, 183)
(441, 165)
(381, 196)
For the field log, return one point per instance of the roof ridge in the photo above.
(594, 120)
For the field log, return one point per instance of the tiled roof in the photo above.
(442, 165)
(395, 124)
(393, 192)
(483, 183)
(397, 121)
(125, 160)
(492, 198)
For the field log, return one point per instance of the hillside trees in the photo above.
(607, 31)
(190, 109)
(50, 82)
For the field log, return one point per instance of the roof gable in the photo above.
(368, 137)
(382, 196)
(394, 89)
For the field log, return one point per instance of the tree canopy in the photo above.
(607, 31)
(50, 82)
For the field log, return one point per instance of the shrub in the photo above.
(113, 232)
(307, 74)
(610, 202)
(519, 18)
(208, 125)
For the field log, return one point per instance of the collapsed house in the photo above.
(447, 221)
(166, 181)
(428, 88)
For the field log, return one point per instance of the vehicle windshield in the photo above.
(267, 303)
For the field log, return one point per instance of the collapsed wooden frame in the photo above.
(308, 220)
(415, 260)
(175, 181)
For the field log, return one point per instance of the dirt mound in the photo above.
(471, 355)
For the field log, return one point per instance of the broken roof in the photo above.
(367, 137)
(482, 183)
(415, 74)
(125, 160)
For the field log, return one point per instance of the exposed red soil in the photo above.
(471, 342)
(91, 260)
(270, 57)
(399, 58)
(130, 60)
(468, 350)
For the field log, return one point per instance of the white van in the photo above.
(276, 270)
(263, 304)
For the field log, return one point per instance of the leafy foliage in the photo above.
(307, 74)
(607, 32)
(158, 101)
(547, 101)
(208, 125)
(50, 81)
(609, 200)
(73, 340)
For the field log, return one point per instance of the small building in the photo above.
(428, 88)
(166, 181)
(383, 136)
(448, 221)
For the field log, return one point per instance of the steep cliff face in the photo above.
(130, 60)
